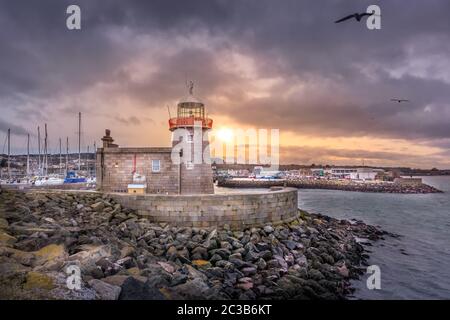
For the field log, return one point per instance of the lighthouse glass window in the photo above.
(156, 165)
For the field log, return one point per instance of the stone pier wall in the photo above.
(238, 210)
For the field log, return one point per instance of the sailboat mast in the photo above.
(60, 157)
(28, 154)
(87, 161)
(39, 150)
(67, 155)
(9, 153)
(45, 151)
(79, 141)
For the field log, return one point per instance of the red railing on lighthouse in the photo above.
(174, 123)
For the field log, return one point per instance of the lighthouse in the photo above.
(190, 128)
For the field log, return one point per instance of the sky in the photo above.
(266, 64)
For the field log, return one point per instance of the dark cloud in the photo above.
(129, 121)
(15, 129)
(322, 79)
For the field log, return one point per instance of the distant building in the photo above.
(340, 173)
(365, 174)
(353, 173)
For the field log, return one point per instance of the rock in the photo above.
(25, 258)
(107, 266)
(126, 251)
(214, 272)
(90, 254)
(283, 264)
(3, 223)
(215, 258)
(193, 273)
(290, 244)
(268, 229)
(199, 253)
(301, 261)
(343, 271)
(316, 274)
(262, 246)
(104, 290)
(248, 271)
(224, 253)
(133, 289)
(252, 256)
(97, 273)
(228, 265)
(6, 239)
(135, 272)
(195, 289)
(226, 245)
(201, 263)
(238, 263)
(37, 280)
(266, 255)
(245, 283)
(127, 262)
(12, 275)
(98, 206)
(237, 256)
(50, 257)
(261, 264)
(167, 267)
(171, 251)
(115, 280)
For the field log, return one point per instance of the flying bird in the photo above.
(357, 16)
(400, 100)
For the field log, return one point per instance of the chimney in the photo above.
(108, 140)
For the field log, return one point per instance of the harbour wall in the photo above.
(236, 210)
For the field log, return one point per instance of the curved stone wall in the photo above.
(238, 210)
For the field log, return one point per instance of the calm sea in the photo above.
(414, 266)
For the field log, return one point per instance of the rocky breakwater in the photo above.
(343, 185)
(123, 256)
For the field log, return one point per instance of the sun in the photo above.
(225, 135)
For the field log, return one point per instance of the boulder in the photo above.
(38, 280)
(167, 267)
(203, 264)
(133, 289)
(3, 223)
(104, 290)
(268, 229)
(90, 254)
(6, 239)
(116, 280)
(50, 257)
(98, 206)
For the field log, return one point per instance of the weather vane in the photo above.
(190, 87)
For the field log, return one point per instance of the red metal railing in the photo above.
(189, 122)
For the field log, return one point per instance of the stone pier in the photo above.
(237, 210)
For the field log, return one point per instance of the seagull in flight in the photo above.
(400, 100)
(357, 16)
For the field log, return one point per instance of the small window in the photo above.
(156, 165)
(190, 138)
(189, 165)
